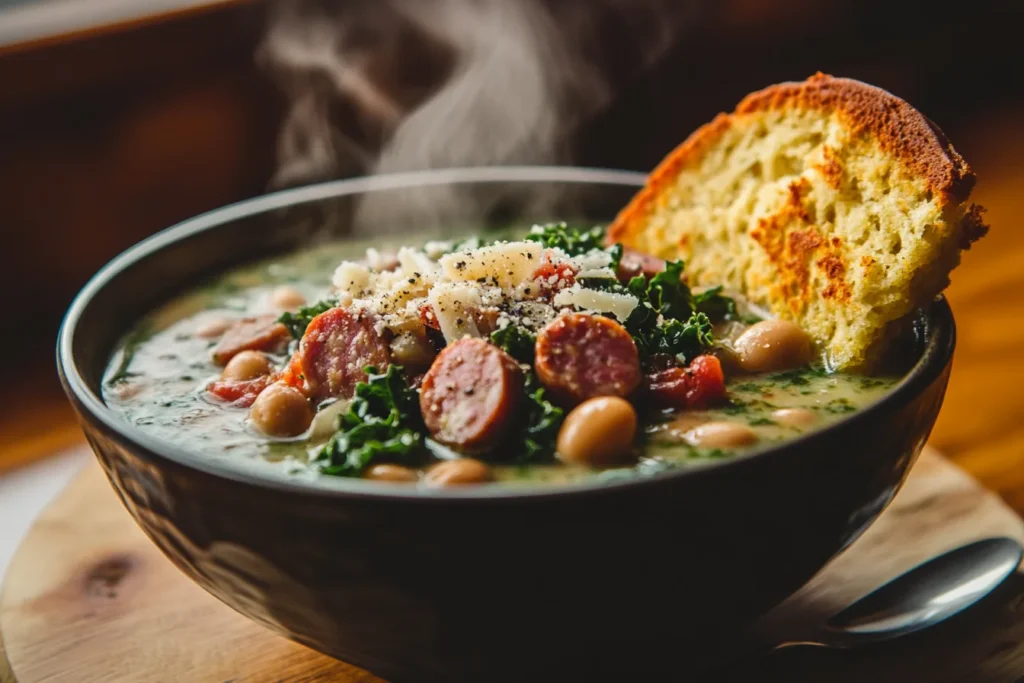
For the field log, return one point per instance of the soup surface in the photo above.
(578, 362)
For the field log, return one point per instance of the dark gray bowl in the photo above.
(483, 584)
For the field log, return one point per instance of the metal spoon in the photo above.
(922, 597)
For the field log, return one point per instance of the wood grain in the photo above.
(88, 598)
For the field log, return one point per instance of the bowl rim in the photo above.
(936, 355)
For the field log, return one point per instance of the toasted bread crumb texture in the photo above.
(830, 202)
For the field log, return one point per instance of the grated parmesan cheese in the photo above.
(453, 305)
(506, 264)
(351, 278)
(453, 288)
(619, 305)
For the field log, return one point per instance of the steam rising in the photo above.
(384, 86)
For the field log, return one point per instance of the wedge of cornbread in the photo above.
(831, 203)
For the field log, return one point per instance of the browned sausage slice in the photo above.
(262, 333)
(635, 263)
(580, 356)
(470, 395)
(337, 346)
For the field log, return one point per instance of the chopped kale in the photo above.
(664, 321)
(603, 284)
(541, 419)
(516, 341)
(616, 253)
(382, 424)
(298, 322)
(683, 340)
(668, 294)
(574, 241)
(570, 240)
(716, 305)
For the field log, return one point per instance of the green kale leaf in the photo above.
(539, 418)
(298, 322)
(668, 294)
(382, 424)
(574, 241)
(516, 341)
(715, 305)
(665, 320)
(542, 420)
(616, 253)
(683, 339)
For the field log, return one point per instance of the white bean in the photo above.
(721, 435)
(772, 345)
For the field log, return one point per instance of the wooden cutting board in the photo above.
(89, 599)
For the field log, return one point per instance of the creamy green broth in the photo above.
(156, 382)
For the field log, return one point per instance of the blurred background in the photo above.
(121, 117)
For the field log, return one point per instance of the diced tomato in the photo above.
(292, 374)
(428, 318)
(697, 386)
(241, 393)
(552, 277)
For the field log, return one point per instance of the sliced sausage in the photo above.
(337, 346)
(580, 356)
(470, 395)
(635, 263)
(213, 328)
(697, 386)
(240, 392)
(262, 333)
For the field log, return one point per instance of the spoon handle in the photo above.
(789, 644)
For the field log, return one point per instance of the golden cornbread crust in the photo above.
(899, 129)
(830, 202)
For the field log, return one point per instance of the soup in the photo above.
(520, 359)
